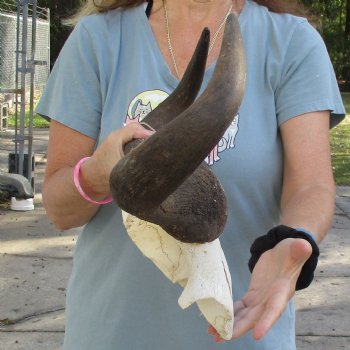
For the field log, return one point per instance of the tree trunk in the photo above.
(347, 19)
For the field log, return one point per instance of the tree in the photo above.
(347, 18)
(333, 15)
(334, 26)
(59, 10)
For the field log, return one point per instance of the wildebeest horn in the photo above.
(184, 94)
(142, 180)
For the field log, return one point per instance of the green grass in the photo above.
(340, 148)
(38, 122)
(346, 100)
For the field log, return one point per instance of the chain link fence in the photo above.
(11, 48)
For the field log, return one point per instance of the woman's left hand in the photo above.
(272, 285)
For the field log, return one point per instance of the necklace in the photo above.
(212, 43)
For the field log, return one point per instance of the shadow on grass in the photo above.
(340, 148)
(341, 169)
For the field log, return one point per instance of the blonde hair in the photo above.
(98, 6)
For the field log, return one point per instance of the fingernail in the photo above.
(219, 340)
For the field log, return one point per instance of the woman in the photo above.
(115, 67)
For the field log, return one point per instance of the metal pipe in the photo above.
(18, 91)
(23, 70)
(48, 44)
(31, 100)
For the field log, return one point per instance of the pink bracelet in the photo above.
(76, 178)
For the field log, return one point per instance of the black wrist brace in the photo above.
(274, 236)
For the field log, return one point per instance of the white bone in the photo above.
(201, 269)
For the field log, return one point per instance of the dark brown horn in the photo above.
(147, 176)
(184, 94)
(196, 212)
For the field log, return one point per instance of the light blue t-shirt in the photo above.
(111, 72)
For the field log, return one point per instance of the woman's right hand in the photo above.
(107, 156)
(64, 205)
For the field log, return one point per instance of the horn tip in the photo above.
(206, 33)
